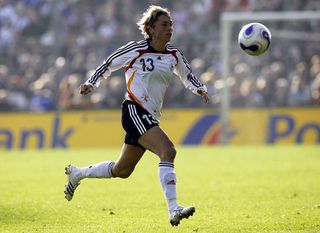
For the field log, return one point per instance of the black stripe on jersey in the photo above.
(116, 54)
(99, 72)
(126, 45)
(126, 49)
(103, 68)
(130, 44)
(170, 46)
(190, 76)
(194, 80)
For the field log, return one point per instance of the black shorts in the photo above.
(136, 121)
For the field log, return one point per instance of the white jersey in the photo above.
(148, 73)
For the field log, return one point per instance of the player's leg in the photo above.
(129, 157)
(157, 141)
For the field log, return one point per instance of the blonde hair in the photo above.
(149, 17)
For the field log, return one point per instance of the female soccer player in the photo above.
(149, 66)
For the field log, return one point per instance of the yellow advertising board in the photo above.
(65, 130)
(294, 125)
(186, 127)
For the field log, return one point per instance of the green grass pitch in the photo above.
(234, 189)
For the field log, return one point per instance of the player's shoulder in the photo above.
(171, 47)
(133, 44)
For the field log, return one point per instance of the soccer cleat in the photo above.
(180, 213)
(73, 181)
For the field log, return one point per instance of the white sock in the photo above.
(99, 170)
(168, 181)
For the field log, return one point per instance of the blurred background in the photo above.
(48, 48)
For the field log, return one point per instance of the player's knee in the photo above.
(169, 153)
(122, 173)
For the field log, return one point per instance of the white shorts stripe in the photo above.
(138, 118)
(137, 122)
(133, 118)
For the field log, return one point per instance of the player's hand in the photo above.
(204, 95)
(85, 89)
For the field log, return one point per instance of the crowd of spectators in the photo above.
(47, 48)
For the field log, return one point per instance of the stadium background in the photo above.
(47, 48)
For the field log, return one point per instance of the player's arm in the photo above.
(190, 81)
(115, 61)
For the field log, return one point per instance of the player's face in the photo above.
(162, 29)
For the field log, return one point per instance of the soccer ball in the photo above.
(254, 38)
